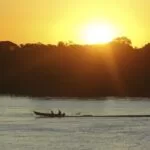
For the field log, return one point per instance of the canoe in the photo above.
(41, 114)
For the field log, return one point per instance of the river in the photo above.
(20, 129)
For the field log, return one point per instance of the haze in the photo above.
(50, 21)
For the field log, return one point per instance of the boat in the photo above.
(41, 114)
(61, 115)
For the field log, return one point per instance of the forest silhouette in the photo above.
(73, 70)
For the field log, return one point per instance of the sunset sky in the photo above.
(50, 21)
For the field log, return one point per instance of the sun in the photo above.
(99, 33)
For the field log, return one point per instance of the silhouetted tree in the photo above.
(62, 44)
(123, 40)
(68, 69)
(7, 45)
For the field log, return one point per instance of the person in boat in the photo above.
(59, 113)
(52, 113)
(63, 114)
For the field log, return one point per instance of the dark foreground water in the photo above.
(21, 130)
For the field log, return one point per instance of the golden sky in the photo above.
(50, 21)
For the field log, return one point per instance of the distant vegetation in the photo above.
(72, 70)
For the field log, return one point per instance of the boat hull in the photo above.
(48, 115)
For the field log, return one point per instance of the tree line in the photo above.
(73, 70)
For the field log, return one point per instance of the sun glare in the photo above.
(99, 33)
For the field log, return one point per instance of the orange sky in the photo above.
(50, 21)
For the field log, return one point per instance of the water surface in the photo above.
(21, 130)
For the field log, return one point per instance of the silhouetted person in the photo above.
(59, 113)
(52, 113)
(63, 114)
